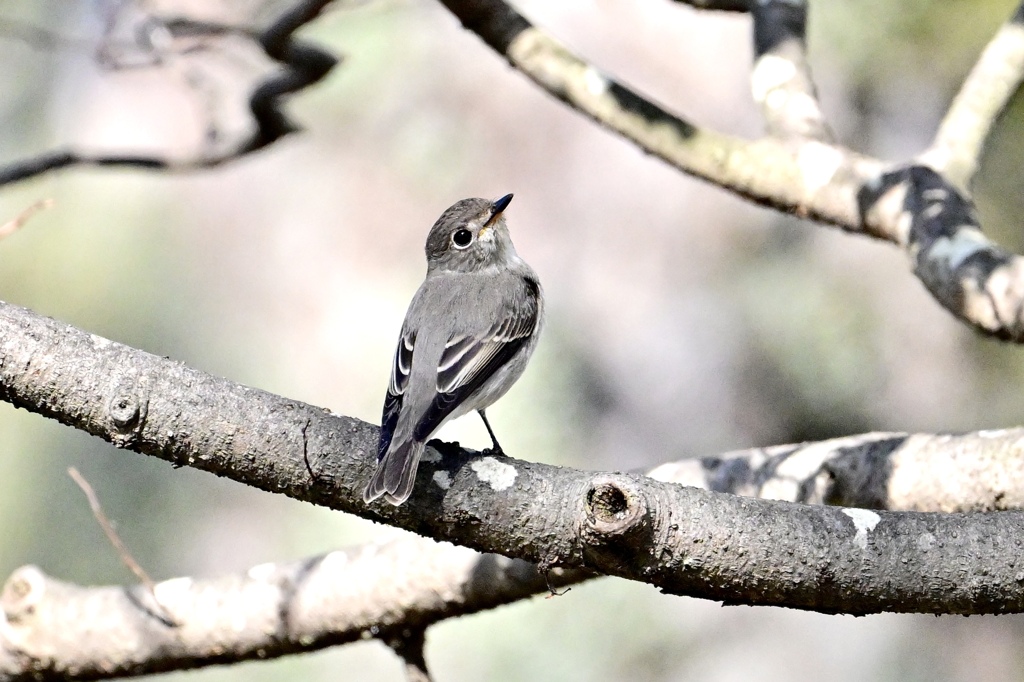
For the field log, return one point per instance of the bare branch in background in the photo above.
(303, 65)
(957, 148)
(970, 276)
(390, 591)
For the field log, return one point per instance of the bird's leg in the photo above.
(496, 449)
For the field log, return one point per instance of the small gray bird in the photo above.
(467, 336)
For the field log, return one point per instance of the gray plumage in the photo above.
(467, 337)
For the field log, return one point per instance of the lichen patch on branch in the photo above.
(497, 474)
(864, 520)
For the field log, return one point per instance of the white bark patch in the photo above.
(864, 521)
(594, 81)
(966, 242)
(818, 164)
(171, 590)
(261, 572)
(334, 561)
(443, 479)
(430, 456)
(770, 72)
(495, 473)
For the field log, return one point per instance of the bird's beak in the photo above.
(497, 207)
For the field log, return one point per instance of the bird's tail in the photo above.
(395, 474)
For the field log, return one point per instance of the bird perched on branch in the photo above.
(467, 336)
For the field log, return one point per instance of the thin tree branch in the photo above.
(781, 80)
(958, 145)
(115, 540)
(812, 179)
(683, 540)
(972, 277)
(18, 221)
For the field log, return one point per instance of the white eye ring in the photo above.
(462, 238)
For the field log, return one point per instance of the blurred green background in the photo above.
(681, 321)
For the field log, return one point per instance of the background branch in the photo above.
(394, 591)
(960, 141)
(969, 275)
(303, 65)
(58, 630)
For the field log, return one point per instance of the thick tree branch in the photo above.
(303, 65)
(683, 540)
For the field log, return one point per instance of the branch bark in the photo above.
(961, 138)
(683, 540)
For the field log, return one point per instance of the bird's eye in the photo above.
(462, 238)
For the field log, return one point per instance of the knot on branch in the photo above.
(126, 410)
(22, 592)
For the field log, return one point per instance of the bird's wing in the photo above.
(468, 360)
(396, 389)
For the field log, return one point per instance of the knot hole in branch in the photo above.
(615, 508)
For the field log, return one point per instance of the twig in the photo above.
(115, 540)
(15, 223)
